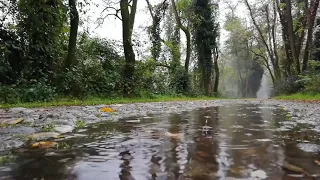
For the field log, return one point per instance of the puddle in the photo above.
(227, 142)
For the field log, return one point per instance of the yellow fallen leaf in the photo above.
(14, 122)
(106, 109)
(317, 162)
(43, 144)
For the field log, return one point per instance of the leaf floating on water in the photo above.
(14, 122)
(174, 135)
(44, 144)
(107, 110)
(317, 162)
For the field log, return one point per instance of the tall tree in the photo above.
(74, 24)
(40, 25)
(127, 16)
(311, 16)
(128, 13)
(296, 18)
(266, 37)
(206, 34)
(187, 33)
(157, 14)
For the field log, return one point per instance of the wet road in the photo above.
(240, 141)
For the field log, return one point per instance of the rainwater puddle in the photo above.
(234, 142)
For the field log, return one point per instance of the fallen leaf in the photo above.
(294, 168)
(14, 122)
(317, 162)
(106, 109)
(44, 144)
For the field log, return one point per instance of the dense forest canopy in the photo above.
(193, 48)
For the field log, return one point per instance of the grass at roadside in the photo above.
(97, 101)
(300, 97)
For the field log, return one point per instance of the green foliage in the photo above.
(6, 159)
(48, 127)
(80, 123)
(311, 79)
(33, 48)
(289, 85)
(308, 82)
(40, 25)
(155, 30)
(206, 33)
(180, 81)
(34, 92)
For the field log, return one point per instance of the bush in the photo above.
(35, 92)
(311, 78)
(290, 85)
(312, 85)
(181, 82)
(88, 79)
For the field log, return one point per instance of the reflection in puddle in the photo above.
(240, 141)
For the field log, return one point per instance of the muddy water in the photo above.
(226, 142)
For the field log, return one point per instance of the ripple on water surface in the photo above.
(231, 142)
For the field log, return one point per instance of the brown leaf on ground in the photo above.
(44, 144)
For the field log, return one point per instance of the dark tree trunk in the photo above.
(127, 28)
(188, 36)
(74, 24)
(217, 72)
(311, 20)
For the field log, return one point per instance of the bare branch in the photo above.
(102, 19)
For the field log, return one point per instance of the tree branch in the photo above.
(102, 19)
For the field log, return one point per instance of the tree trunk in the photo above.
(127, 28)
(217, 72)
(187, 33)
(74, 24)
(291, 37)
(311, 19)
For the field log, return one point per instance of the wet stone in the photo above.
(68, 116)
(91, 117)
(18, 110)
(17, 130)
(29, 120)
(307, 147)
(9, 144)
(63, 128)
